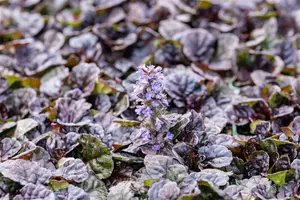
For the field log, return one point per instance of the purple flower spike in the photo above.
(152, 105)
(149, 95)
(149, 90)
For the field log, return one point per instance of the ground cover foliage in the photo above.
(149, 99)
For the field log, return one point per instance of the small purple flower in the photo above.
(149, 95)
(139, 109)
(169, 136)
(156, 147)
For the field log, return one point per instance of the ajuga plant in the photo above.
(152, 106)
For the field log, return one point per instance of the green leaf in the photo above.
(94, 187)
(176, 173)
(92, 147)
(102, 166)
(127, 123)
(17, 82)
(103, 87)
(94, 112)
(204, 4)
(277, 99)
(268, 145)
(96, 155)
(31, 82)
(57, 185)
(279, 142)
(278, 177)
(12, 79)
(253, 125)
(148, 182)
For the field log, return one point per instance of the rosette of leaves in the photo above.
(8, 148)
(32, 191)
(169, 27)
(226, 140)
(96, 155)
(25, 172)
(17, 24)
(52, 81)
(157, 165)
(139, 12)
(72, 112)
(185, 88)
(17, 101)
(72, 170)
(241, 112)
(215, 117)
(101, 102)
(189, 187)
(164, 190)
(53, 40)
(248, 188)
(32, 58)
(95, 188)
(288, 190)
(84, 77)
(37, 154)
(113, 65)
(111, 130)
(86, 44)
(225, 56)
(214, 155)
(258, 163)
(121, 190)
(249, 61)
(36, 105)
(198, 44)
(117, 36)
(58, 145)
(71, 192)
(187, 155)
(215, 177)
(168, 53)
(190, 128)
